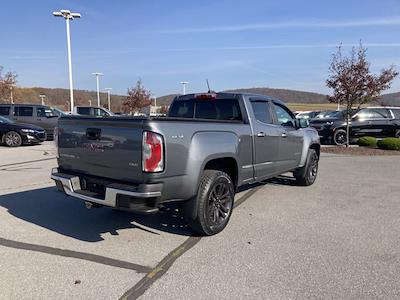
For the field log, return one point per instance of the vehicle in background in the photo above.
(377, 122)
(35, 114)
(307, 115)
(199, 155)
(92, 111)
(14, 135)
(58, 111)
(325, 114)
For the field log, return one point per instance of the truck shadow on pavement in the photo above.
(54, 211)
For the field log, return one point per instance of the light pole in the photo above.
(97, 74)
(155, 104)
(11, 95)
(109, 97)
(68, 15)
(42, 98)
(184, 83)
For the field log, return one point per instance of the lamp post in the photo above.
(109, 97)
(97, 74)
(11, 95)
(184, 83)
(68, 15)
(42, 98)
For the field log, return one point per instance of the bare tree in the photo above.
(7, 82)
(138, 97)
(352, 82)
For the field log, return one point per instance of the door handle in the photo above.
(261, 134)
(284, 135)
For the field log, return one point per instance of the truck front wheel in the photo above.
(306, 175)
(214, 203)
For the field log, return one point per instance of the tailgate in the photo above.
(106, 147)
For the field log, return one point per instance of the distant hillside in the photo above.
(392, 99)
(289, 96)
(60, 97)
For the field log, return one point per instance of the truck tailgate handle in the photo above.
(93, 133)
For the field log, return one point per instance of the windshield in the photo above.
(5, 120)
(58, 112)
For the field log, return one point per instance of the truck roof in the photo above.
(224, 95)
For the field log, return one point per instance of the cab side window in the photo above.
(261, 111)
(23, 111)
(99, 112)
(283, 116)
(41, 112)
(372, 113)
(396, 113)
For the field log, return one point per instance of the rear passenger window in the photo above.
(4, 111)
(181, 109)
(261, 111)
(23, 111)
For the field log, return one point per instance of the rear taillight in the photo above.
(153, 152)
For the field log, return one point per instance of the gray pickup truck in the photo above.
(207, 147)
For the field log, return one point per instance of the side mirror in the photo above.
(302, 123)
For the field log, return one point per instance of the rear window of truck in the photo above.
(213, 109)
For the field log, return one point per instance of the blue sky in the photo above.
(278, 44)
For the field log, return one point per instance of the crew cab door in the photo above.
(290, 138)
(266, 139)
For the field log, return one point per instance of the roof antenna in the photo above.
(208, 86)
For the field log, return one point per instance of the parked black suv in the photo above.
(39, 115)
(378, 122)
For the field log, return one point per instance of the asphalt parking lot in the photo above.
(338, 239)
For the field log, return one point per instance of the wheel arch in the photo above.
(226, 164)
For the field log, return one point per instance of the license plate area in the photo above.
(96, 188)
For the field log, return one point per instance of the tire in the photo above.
(12, 139)
(340, 137)
(307, 175)
(397, 133)
(214, 203)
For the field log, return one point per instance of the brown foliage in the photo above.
(138, 98)
(7, 82)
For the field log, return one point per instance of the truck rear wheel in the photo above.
(214, 203)
(306, 175)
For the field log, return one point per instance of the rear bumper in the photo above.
(143, 198)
